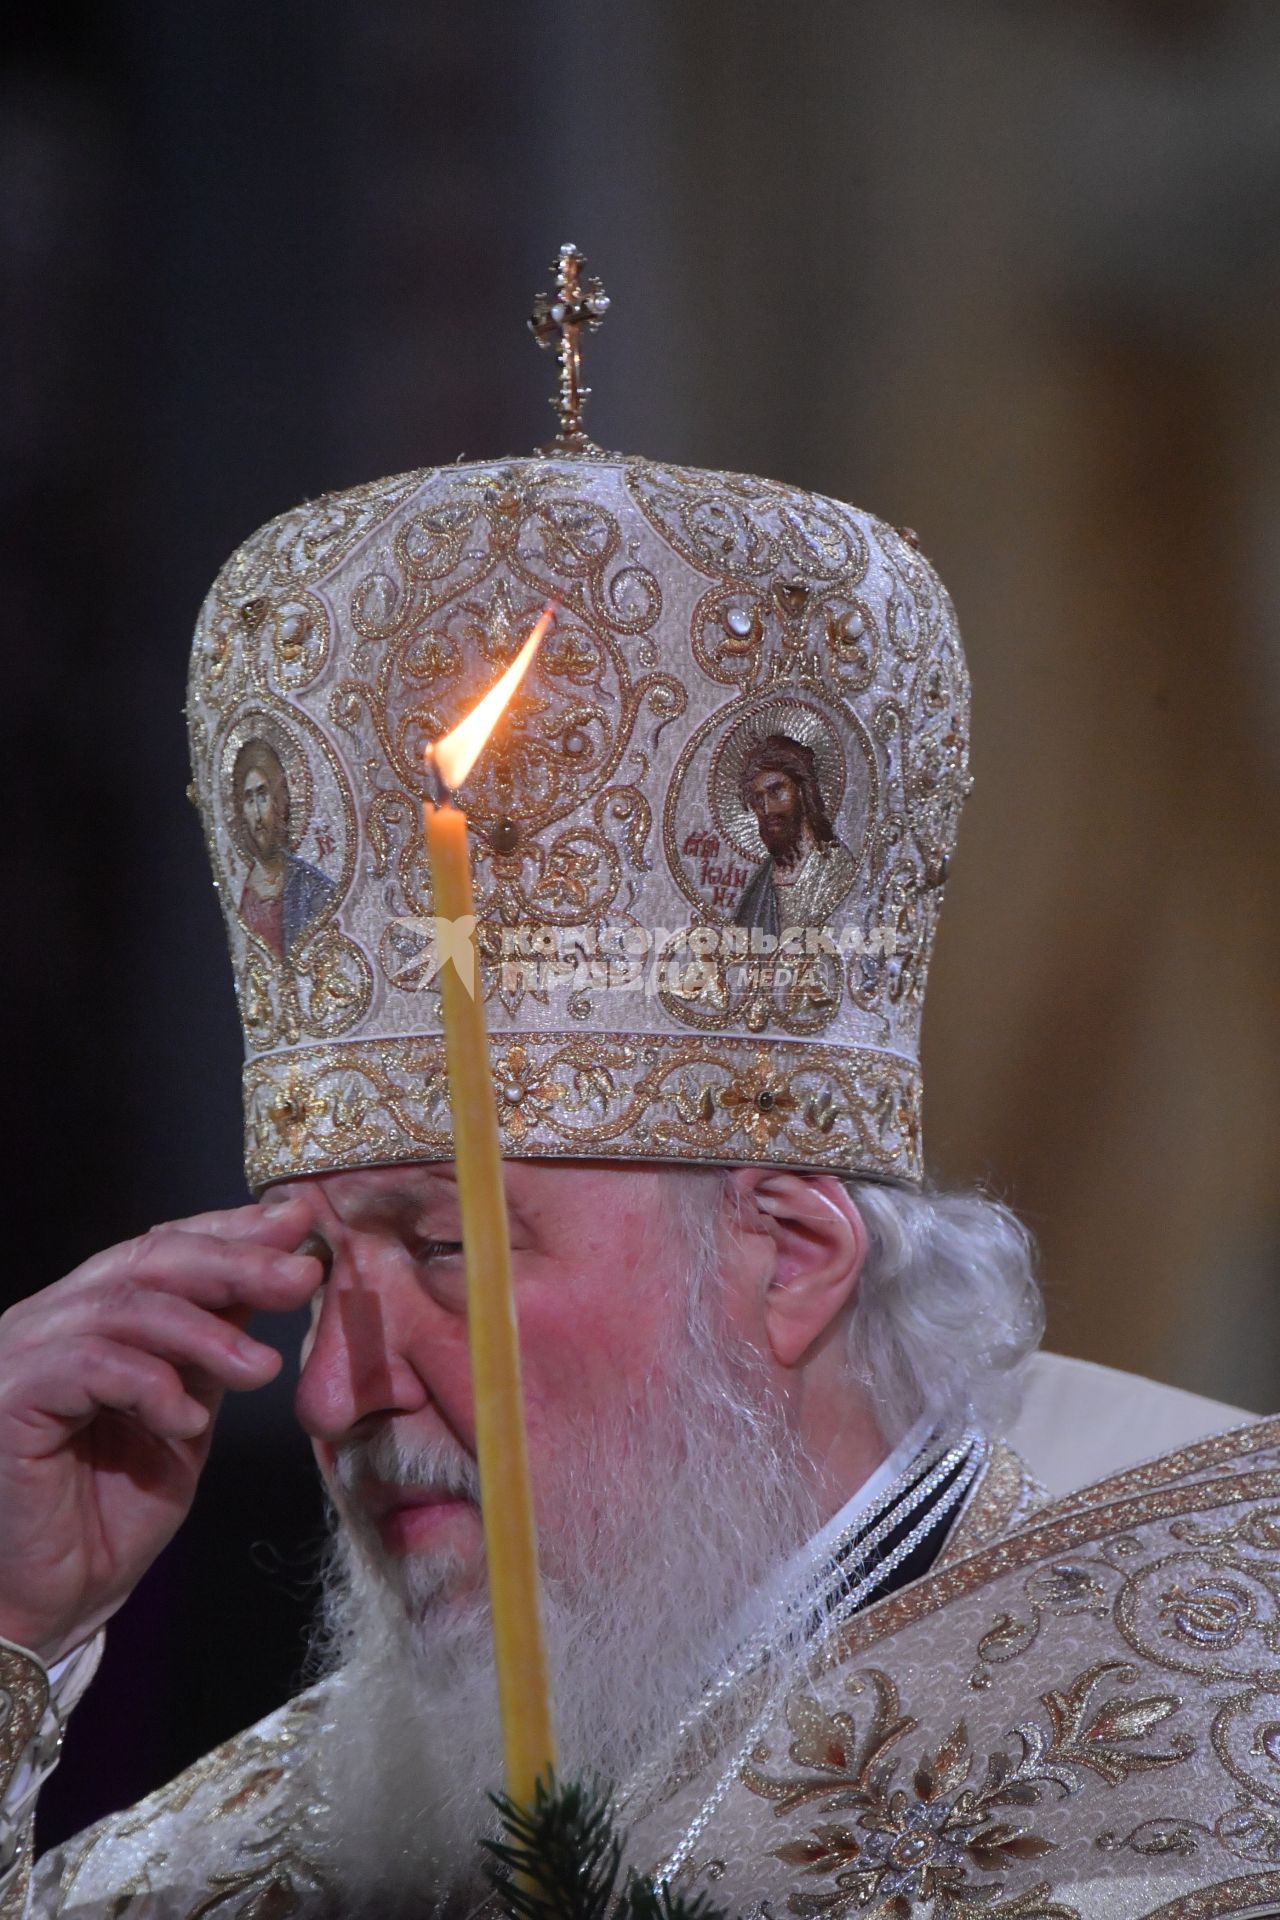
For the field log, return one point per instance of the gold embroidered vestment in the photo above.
(1074, 1716)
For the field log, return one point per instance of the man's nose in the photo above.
(357, 1365)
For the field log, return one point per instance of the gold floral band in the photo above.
(564, 1095)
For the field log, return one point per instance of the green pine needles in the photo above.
(561, 1859)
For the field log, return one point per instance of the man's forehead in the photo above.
(383, 1191)
(373, 1189)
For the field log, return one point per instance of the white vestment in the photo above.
(1073, 1715)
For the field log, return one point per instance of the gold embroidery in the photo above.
(1257, 1437)
(1114, 1727)
(702, 1098)
(1086, 1734)
(252, 1750)
(24, 1695)
(13, 1897)
(1155, 1839)
(24, 1700)
(280, 1887)
(1062, 1588)
(1229, 1897)
(698, 615)
(1244, 1829)
(261, 630)
(1128, 1500)
(268, 1876)
(899, 1845)
(1089, 1782)
(1004, 1496)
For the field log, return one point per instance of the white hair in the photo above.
(948, 1308)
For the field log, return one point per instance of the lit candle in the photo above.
(505, 1498)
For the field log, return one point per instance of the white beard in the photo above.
(696, 1495)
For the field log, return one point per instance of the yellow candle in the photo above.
(505, 1496)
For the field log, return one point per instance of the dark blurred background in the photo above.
(1009, 274)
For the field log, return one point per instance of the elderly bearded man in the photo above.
(806, 1610)
(698, 1352)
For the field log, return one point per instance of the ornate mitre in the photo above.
(709, 838)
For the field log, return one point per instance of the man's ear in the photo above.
(820, 1244)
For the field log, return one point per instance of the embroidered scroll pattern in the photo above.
(24, 1698)
(358, 1104)
(240, 1796)
(1207, 1611)
(948, 1830)
(444, 609)
(264, 637)
(1169, 1579)
(702, 619)
(791, 610)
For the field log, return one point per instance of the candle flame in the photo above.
(458, 752)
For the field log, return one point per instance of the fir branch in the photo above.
(561, 1857)
(560, 1860)
(642, 1900)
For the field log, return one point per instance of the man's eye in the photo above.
(437, 1249)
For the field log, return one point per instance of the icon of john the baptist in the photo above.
(807, 869)
(283, 894)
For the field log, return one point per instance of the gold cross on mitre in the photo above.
(557, 321)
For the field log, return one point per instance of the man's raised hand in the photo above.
(109, 1382)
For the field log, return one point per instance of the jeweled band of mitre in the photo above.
(709, 838)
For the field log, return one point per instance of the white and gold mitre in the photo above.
(709, 837)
